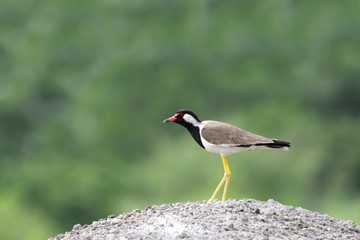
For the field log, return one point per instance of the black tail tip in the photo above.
(280, 144)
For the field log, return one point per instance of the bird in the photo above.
(224, 139)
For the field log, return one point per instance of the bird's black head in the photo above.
(190, 121)
(184, 117)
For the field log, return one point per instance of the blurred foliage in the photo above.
(85, 86)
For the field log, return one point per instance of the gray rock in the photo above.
(235, 219)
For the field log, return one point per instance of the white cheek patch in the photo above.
(190, 119)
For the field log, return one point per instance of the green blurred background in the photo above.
(85, 86)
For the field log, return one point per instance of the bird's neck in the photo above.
(194, 131)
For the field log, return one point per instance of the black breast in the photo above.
(195, 133)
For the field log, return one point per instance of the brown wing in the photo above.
(222, 133)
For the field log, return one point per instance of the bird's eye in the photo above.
(181, 114)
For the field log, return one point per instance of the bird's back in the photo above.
(220, 133)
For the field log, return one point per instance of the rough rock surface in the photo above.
(235, 219)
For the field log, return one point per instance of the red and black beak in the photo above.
(171, 119)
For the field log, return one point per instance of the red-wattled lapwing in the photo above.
(224, 139)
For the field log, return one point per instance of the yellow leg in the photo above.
(226, 175)
(225, 179)
(216, 190)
